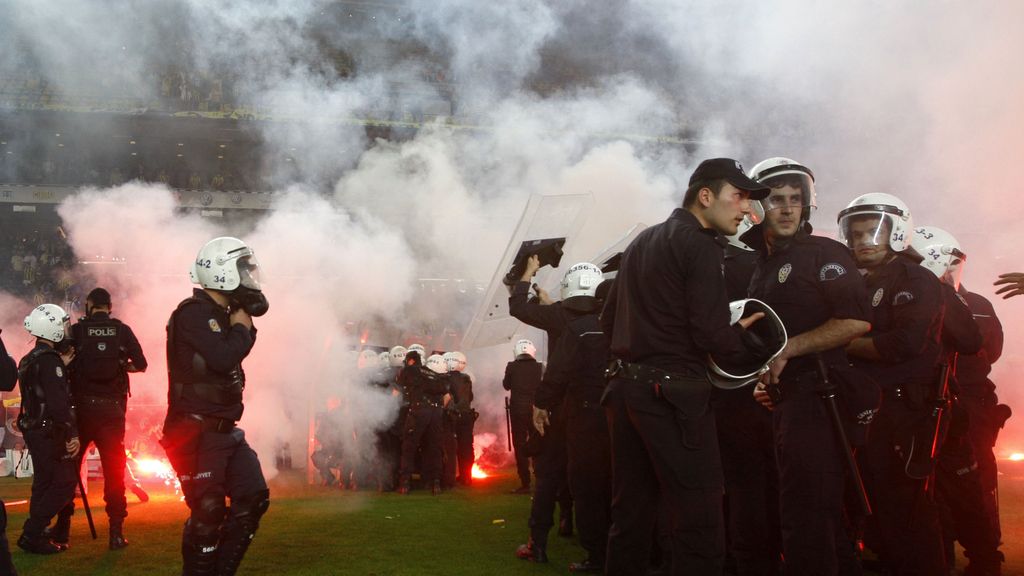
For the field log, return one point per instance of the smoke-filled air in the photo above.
(488, 103)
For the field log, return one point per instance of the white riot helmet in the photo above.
(419, 349)
(436, 363)
(396, 358)
(456, 361)
(368, 360)
(778, 173)
(525, 346)
(226, 263)
(384, 359)
(895, 226)
(742, 229)
(580, 281)
(769, 332)
(941, 253)
(49, 322)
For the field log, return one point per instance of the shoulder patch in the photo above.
(60, 372)
(784, 272)
(214, 326)
(877, 298)
(902, 297)
(831, 271)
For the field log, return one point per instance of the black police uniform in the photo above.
(426, 390)
(959, 490)
(389, 437)
(809, 280)
(575, 382)
(906, 327)
(104, 349)
(745, 439)
(665, 312)
(8, 379)
(977, 394)
(550, 463)
(47, 422)
(206, 448)
(522, 377)
(461, 386)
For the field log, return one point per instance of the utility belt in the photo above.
(648, 374)
(208, 423)
(99, 401)
(427, 402)
(27, 424)
(689, 395)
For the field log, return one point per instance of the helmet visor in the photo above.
(861, 229)
(794, 190)
(249, 272)
(955, 269)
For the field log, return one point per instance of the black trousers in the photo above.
(54, 478)
(104, 426)
(983, 430)
(747, 444)
(904, 527)
(811, 488)
(660, 460)
(522, 427)
(422, 428)
(590, 474)
(550, 466)
(464, 445)
(6, 567)
(449, 451)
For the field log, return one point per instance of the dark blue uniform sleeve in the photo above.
(706, 300)
(532, 313)
(959, 330)
(53, 380)
(506, 382)
(608, 312)
(842, 285)
(917, 313)
(989, 324)
(555, 382)
(223, 347)
(134, 350)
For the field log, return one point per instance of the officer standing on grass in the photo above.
(426, 390)
(8, 379)
(666, 311)
(522, 377)
(106, 351)
(208, 336)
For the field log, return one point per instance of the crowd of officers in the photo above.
(742, 396)
(430, 435)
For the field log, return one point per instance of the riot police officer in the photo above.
(8, 379)
(666, 311)
(426, 390)
(575, 382)
(106, 351)
(208, 336)
(47, 421)
(812, 283)
(461, 386)
(522, 377)
(902, 353)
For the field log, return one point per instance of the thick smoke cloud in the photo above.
(916, 99)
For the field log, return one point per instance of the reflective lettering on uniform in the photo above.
(902, 297)
(831, 271)
(877, 298)
(202, 475)
(214, 326)
(102, 332)
(101, 346)
(784, 272)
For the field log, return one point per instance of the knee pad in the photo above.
(247, 510)
(208, 515)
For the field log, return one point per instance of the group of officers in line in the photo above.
(836, 392)
(74, 390)
(430, 434)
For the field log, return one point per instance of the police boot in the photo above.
(60, 532)
(532, 552)
(565, 527)
(435, 489)
(117, 540)
(6, 565)
(38, 544)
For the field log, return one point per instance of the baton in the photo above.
(508, 423)
(85, 504)
(828, 395)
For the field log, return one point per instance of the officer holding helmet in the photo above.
(902, 352)
(208, 336)
(812, 283)
(665, 313)
(47, 421)
(522, 376)
(106, 351)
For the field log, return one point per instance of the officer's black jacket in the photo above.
(668, 307)
(972, 370)
(906, 325)
(8, 370)
(130, 348)
(552, 318)
(739, 269)
(422, 384)
(808, 281)
(522, 376)
(461, 386)
(960, 333)
(46, 383)
(578, 372)
(202, 327)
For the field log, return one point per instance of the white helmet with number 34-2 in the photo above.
(49, 322)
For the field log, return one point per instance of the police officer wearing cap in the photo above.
(8, 379)
(902, 352)
(106, 351)
(47, 421)
(208, 336)
(812, 283)
(666, 311)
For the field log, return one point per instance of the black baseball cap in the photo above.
(99, 297)
(732, 172)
